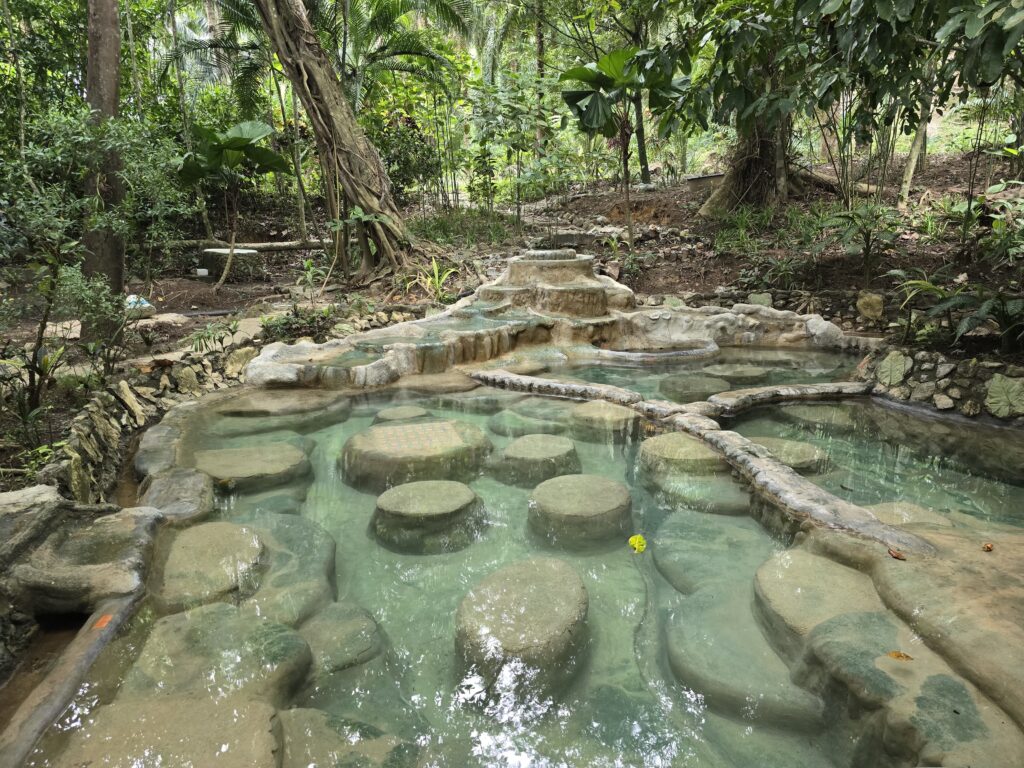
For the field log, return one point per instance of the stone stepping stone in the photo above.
(392, 454)
(801, 456)
(178, 730)
(207, 563)
(694, 551)
(511, 424)
(820, 415)
(315, 738)
(437, 383)
(262, 410)
(908, 513)
(679, 453)
(218, 650)
(546, 408)
(428, 517)
(255, 468)
(341, 636)
(299, 577)
(796, 590)
(528, 614)
(532, 459)
(580, 509)
(181, 494)
(280, 501)
(601, 421)
(484, 400)
(400, 413)
(716, 648)
(738, 373)
(719, 494)
(690, 387)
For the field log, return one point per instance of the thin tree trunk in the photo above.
(358, 166)
(916, 148)
(624, 141)
(19, 75)
(136, 83)
(104, 249)
(300, 184)
(641, 139)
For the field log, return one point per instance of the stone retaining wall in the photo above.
(970, 387)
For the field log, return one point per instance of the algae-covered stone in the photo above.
(580, 509)
(209, 562)
(801, 456)
(676, 452)
(600, 421)
(737, 373)
(176, 730)
(315, 739)
(400, 413)
(428, 517)
(217, 650)
(512, 424)
(253, 468)
(341, 636)
(391, 454)
(526, 620)
(690, 387)
(532, 459)
(849, 645)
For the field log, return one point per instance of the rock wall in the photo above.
(969, 387)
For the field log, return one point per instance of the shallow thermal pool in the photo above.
(675, 668)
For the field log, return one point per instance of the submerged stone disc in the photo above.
(820, 415)
(428, 517)
(532, 459)
(801, 456)
(391, 454)
(676, 452)
(266, 409)
(530, 616)
(400, 413)
(253, 468)
(600, 421)
(512, 424)
(690, 387)
(738, 373)
(579, 509)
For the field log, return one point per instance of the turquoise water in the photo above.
(883, 453)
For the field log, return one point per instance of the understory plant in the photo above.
(868, 230)
(433, 281)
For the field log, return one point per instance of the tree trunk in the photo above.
(641, 139)
(912, 161)
(757, 174)
(538, 34)
(339, 138)
(624, 142)
(104, 249)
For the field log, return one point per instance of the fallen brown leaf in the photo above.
(896, 554)
(987, 547)
(900, 656)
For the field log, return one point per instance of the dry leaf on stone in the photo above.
(987, 547)
(896, 554)
(900, 656)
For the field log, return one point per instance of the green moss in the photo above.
(946, 713)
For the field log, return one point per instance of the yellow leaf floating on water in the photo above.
(900, 656)
(638, 543)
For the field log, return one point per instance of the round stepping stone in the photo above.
(600, 421)
(679, 453)
(738, 373)
(400, 413)
(341, 636)
(580, 509)
(266, 409)
(532, 459)
(391, 454)
(526, 621)
(820, 415)
(207, 563)
(546, 408)
(512, 424)
(908, 513)
(254, 468)
(428, 517)
(801, 456)
(714, 494)
(690, 387)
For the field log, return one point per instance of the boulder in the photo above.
(400, 413)
(678, 453)
(215, 651)
(871, 306)
(527, 622)
(391, 454)
(341, 636)
(183, 494)
(428, 517)
(801, 456)
(601, 421)
(580, 509)
(690, 387)
(531, 459)
(738, 373)
(207, 563)
(253, 468)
